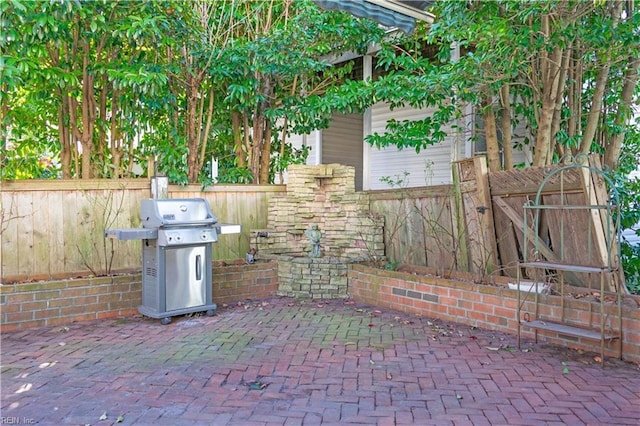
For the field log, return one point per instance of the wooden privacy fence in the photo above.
(477, 224)
(447, 227)
(52, 229)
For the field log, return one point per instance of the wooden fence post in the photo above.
(476, 217)
(458, 221)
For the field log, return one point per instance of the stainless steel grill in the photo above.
(177, 237)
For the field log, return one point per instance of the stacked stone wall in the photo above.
(319, 278)
(322, 195)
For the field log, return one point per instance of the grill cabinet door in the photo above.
(185, 277)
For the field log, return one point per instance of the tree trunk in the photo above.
(87, 107)
(598, 93)
(203, 136)
(192, 141)
(491, 134)
(258, 142)
(101, 140)
(64, 137)
(557, 112)
(236, 130)
(613, 147)
(265, 155)
(596, 107)
(550, 67)
(505, 125)
(115, 136)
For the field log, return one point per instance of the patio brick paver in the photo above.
(333, 362)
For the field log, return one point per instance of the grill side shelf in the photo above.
(228, 228)
(132, 234)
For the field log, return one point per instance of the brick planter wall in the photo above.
(52, 303)
(492, 307)
(240, 282)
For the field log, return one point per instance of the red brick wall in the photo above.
(240, 282)
(492, 307)
(52, 303)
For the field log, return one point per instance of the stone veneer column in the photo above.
(322, 195)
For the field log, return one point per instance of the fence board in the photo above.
(56, 230)
(40, 241)
(439, 234)
(506, 235)
(418, 224)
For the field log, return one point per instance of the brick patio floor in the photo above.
(291, 362)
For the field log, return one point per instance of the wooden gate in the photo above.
(585, 234)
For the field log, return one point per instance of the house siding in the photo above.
(342, 143)
(431, 166)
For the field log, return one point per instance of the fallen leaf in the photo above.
(493, 349)
(371, 324)
(103, 416)
(120, 419)
(377, 312)
(256, 385)
(565, 370)
(458, 396)
(372, 362)
(597, 359)
(389, 376)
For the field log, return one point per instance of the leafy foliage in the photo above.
(107, 86)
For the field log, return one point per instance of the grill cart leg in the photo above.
(165, 320)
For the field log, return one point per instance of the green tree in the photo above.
(182, 82)
(83, 65)
(565, 71)
(278, 55)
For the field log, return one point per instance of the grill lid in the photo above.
(157, 213)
